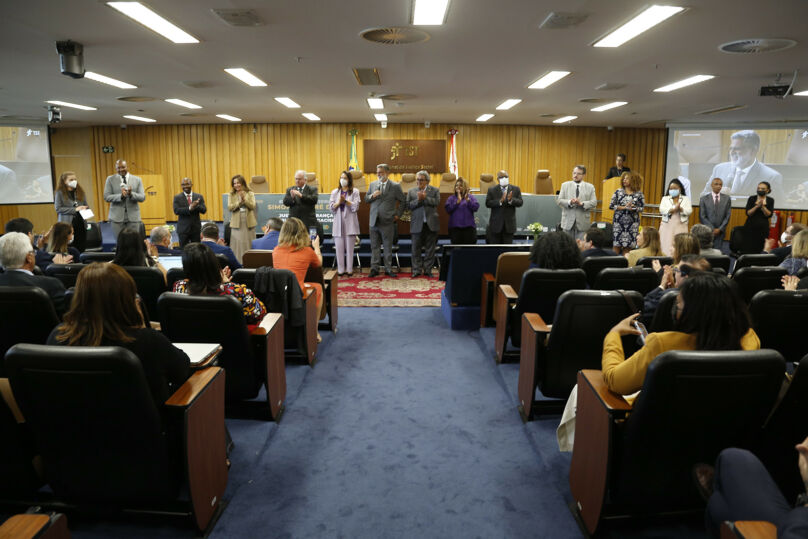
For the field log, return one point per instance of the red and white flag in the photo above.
(452, 151)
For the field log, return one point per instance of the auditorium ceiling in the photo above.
(486, 52)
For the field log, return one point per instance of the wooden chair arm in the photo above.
(307, 292)
(535, 323)
(505, 297)
(193, 387)
(534, 332)
(330, 300)
(610, 400)
(508, 292)
(748, 529)
(266, 325)
(267, 344)
(310, 307)
(35, 526)
(486, 299)
(329, 275)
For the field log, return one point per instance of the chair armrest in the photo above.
(534, 332)
(536, 324)
(508, 292)
(608, 398)
(329, 275)
(269, 321)
(505, 298)
(486, 299)
(330, 299)
(267, 344)
(748, 529)
(307, 292)
(310, 307)
(36, 526)
(193, 387)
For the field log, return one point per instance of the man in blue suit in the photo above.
(210, 237)
(270, 238)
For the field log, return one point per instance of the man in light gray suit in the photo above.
(714, 211)
(124, 193)
(576, 199)
(424, 226)
(386, 201)
(743, 172)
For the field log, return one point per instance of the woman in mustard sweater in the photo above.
(709, 314)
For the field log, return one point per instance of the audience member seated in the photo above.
(555, 250)
(204, 277)
(296, 252)
(210, 237)
(672, 279)
(785, 242)
(684, 243)
(595, 243)
(704, 235)
(161, 240)
(740, 488)
(104, 312)
(43, 258)
(58, 240)
(792, 282)
(709, 315)
(131, 251)
(648, 244)
(18, 260)
(270, 238)
(799, 253)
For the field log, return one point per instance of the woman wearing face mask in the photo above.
(675, 209)
(461, 207)
(69, 201)
(759, 209)
(60, 238)
(344, 203)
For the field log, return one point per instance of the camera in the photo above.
(54, 114)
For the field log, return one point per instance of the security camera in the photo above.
(609, 128)
(54, 114)
(384, 125)
(427, 124)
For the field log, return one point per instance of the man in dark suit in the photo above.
(272, 230)
(424, 225)
(18, 259)
(301, 200)
(210, 237)
(160, 237)
(502, 199)
(386, 201)
(187, 207)
(595, 243)
(714, 211)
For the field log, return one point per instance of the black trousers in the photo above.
(463, 236)
(499, 237)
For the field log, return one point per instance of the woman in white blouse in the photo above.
(675, 209)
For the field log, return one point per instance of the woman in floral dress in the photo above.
(627, 203)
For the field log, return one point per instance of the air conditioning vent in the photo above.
(559, 20)
(394, 35)
(756, 46)
(367, 76)
(238, 17)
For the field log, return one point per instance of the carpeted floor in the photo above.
(384, 291)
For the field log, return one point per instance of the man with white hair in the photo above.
(18, 258)
(160, 237)
(743, 172)
(301, 199)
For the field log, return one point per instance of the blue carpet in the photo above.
(403, 429)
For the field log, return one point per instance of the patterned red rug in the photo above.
(384, 291)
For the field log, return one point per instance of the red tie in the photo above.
(189, 199)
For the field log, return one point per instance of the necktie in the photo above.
(577, 190)
(189, 198)
(736, 182)
(715, 198)
(384, 184)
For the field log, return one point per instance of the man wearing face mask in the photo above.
(576, 199)
(124, 192)
(187, 207)
(502, 199)
(786, 238)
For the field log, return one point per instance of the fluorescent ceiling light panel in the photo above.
(564, 119)
(71, 105)
(245, 76)
(151, 20)
(429, 12)
(375, 102)
(182, 103)
(311, 116)
(609, 106)
(140, 119)
(802, 93)
(108, 80)
(548, 79)
(686, 82)
(228, 117)
(484, 117)
(508, 104)
(381, 117)
(639, 24)
(286, 102)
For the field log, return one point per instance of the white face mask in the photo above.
(503, 181)
(784, 237)
(674, 193)
(72, 184)
(343, 182)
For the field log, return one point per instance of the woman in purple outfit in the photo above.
(461, 207)
(344, 203)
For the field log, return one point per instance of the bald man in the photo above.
(124, 192)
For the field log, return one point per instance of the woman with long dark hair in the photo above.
(60, 240)
(344, 203)
(555, 250)
(69, 201)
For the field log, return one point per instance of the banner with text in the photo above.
(406, 155)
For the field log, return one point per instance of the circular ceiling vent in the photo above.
(756, 46)
(595, 100)
(136, 98)
(396, 97)
(394, 35)
(194, 114)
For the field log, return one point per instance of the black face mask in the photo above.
(761, 193)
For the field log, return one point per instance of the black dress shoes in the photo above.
(373, 273)
(391, 274)
(416, 274)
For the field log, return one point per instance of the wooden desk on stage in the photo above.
(609, 187)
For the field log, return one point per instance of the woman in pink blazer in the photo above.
(344, 203)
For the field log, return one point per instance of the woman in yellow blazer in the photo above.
(709, 315)
(241, 203)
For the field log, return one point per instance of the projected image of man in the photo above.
(743, 172)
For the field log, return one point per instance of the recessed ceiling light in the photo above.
(802, 93)
(71, 105)
(311, 116)
(686, 82)
(564, 119)
(609, 106)
(484, 117)
(639, 24)
(429, 12)
(182, 103)
(508, 104)
(376, 102)
(228, 117)
(108, 80)
(140, 119)
(380, 117)
(548, 79)
(245, 76)
(286, 102)
(151, 20)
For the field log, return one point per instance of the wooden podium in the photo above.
(153, 209)
(610, 185)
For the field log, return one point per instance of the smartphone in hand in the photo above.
(312, 232)
(639, 326)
